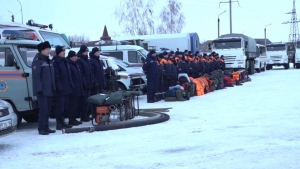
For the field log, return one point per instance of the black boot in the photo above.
(65, 124)
(59, 124)
(44, 132)
(73, 122)
(51, 131)
(84, 117)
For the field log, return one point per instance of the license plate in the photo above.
(5, 124)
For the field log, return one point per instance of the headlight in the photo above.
(131, 82)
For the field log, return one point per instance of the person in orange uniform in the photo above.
(166, 72)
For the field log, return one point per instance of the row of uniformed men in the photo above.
(162, 70)
(70, 80)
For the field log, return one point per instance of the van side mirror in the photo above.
(209, 46)
(143, 59)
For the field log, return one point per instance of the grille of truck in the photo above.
(137, 81)
(230, 58)
(276, 57)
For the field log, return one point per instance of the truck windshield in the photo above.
(28, 53)
(227, 44)
(144, 52)
(122, 63)
(276, 48)
(54, 39)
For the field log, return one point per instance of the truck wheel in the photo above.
(264, 68)
(259, 69)
(121, 87)
(287, 66)
(32, 118)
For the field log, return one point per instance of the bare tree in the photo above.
(78, 40)
(172, 19)
(136, 16)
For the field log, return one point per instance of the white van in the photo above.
(132, 78)
(128, 53)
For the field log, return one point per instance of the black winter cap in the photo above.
(165, 53)
(43, 46)
(71, 54)
(161, 55)
(59, 49)
(181, 53)
(172, 52)
(152, 52)
(94, 50)
(177, 52)
(83, 49)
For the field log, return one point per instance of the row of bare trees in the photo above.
(137, 17)
(78, 40)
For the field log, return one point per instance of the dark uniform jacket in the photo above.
(160, 70)
(173, 69)
(97, 69)
(150, 67)
(167, 68)
(43, 79)
(76, 77)
(63, 80)
(87, 75)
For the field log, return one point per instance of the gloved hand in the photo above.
(85, 86)
(96, 86)
(41, 93)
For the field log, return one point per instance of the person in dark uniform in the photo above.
(64, 87)
(88, 82)
(159, 82)
(97, 70)
(78, 89)
(173, 65)
(150, 69)
(43, 83)
(166, 72)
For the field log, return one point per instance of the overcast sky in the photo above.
(89, 16)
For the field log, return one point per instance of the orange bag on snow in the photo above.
(236, 76)
(206, 84)
(199, 87)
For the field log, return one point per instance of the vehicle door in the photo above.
(13, 78)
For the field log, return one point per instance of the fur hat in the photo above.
(71, 54)
(165, 53)
(43, 46)
(94, 50)
(59, 49)
(197, 53)
(83, 49)
(152, 52)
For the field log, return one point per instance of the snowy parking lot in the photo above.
(256, 125)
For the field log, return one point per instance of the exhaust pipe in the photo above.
(112, 107)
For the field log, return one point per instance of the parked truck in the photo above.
(180, 41)
(277, 55)
(261, 61)
(239, 51)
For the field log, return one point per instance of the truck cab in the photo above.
(239, 51)
(296, 56)
(37, 32)
(277, 55)
(261, 61)
(128, 53)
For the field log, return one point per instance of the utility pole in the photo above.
(219, 23)
(294, 33)
(21, 10)
(266, 34)
(230, 12)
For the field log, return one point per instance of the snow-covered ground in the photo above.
(256, 125)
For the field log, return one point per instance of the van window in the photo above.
(139, 57)
(9, 58)
(2, 57)
(118, 55)
(132, 57)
